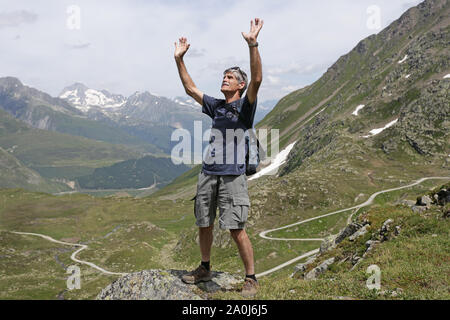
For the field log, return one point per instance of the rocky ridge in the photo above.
(165, 285)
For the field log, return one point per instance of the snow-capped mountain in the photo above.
(189, 102)
(85, 99)
(99, 104)
(145, 115)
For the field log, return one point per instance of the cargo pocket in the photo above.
(204, 216)
(240, 209)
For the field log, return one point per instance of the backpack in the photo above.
(255, 150)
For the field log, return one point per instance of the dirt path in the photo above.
(356, 208)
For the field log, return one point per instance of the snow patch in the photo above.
(279, 160)
(377, 131)
(355, 113)
(447, 76)
(407, 76)
(69, 93)
(404, 59)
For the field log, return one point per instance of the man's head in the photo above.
(234, 79)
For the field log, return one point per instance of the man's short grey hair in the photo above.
(240, 75)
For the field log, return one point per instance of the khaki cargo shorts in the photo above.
(229, 193)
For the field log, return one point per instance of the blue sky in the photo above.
(127, 46)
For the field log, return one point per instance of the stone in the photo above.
(301, 267)
(418, 209)
(327, 244)
(424, 201)
(408, 203)
(350, 229)
(384, 230)
(359, 233)
(332, 241)
(443, 197)
(446, 214)
(163, 285)
(314, 273)
(370, 244)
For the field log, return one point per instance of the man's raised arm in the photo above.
(255, 59)
(188, 84)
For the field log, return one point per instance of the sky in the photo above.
(128, 46)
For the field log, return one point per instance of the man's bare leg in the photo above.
(206, 240)
(245, 249)
(202, 273)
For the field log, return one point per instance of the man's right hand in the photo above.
(181, 48)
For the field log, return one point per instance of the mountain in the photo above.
(146, 116)
(263, 109)
(133, 173)
(188, 101)
(39, 159)
(57, 155)
(13, 174)
(396, 76)
(86, 99)
(42, 111)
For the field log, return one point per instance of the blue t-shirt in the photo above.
(224, 118)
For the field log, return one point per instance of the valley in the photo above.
(86, 179)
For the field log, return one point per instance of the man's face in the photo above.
(230, 83)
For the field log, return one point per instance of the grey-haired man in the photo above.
(224, 183)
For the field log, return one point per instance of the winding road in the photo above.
(263, 234)
(74, 255)
(312, 252)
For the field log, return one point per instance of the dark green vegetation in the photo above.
(59, 155)
(14, 173)
(134, 173)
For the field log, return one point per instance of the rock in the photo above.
(408, 203)
(301, 267)
(327, 244)
(424, 201)
(162, 285)
(443, 197)
(418, 209)
(446, 214)
(397, 230)
(355, 259)
(332, 241)
(350, 229)
(384, 230)
(359, 233)
(314, 273)
(370, 244)
(396, 292)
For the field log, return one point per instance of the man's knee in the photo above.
(237, 234)
(206, 229)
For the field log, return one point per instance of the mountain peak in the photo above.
(85, 98)
(10, 82)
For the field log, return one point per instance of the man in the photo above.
(224, 183)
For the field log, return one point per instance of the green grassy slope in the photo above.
(14, 174)
(38, 148)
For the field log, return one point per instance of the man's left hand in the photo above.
(255, 27)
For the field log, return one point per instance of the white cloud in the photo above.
(273, 80)
(16, 18)
(128, 46)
